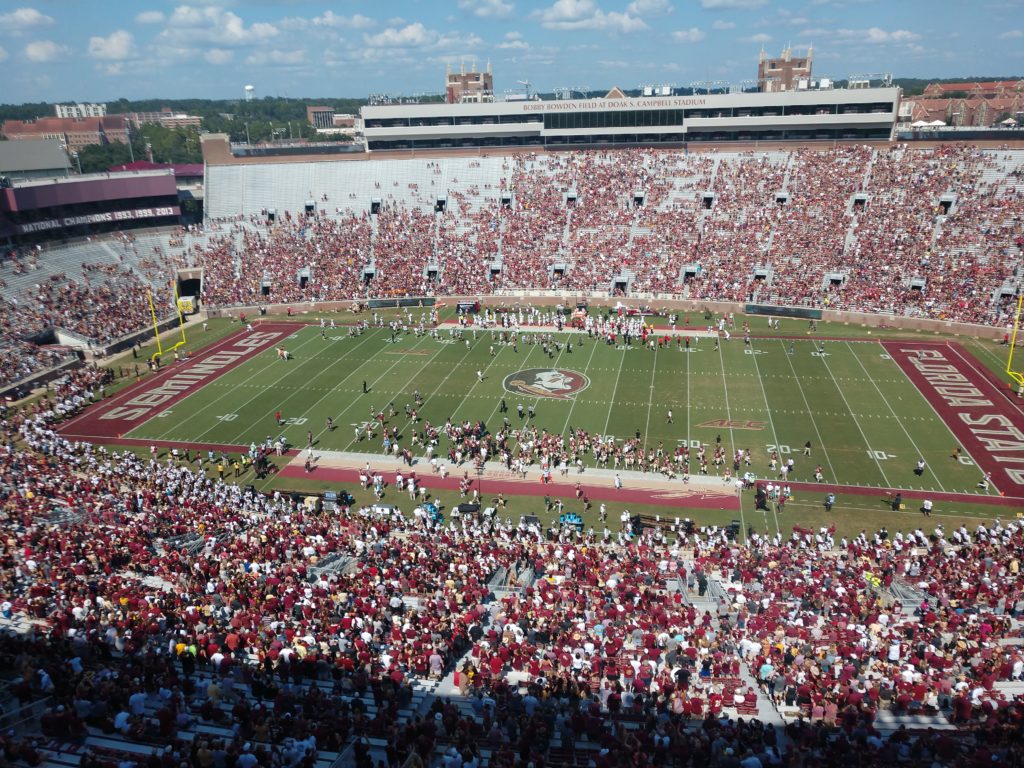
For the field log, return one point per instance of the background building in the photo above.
(471, 87)
(39, 159)
(81, 111)
(320, 117)
(990, 90)
(786, 73)
(166, 118)
(72, 133)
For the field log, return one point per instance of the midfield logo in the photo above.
(732, 424)
(556, 383)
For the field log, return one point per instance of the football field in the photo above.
(867, 421)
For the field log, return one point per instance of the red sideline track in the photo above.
(985, 422)
(693, 499)
(140, 402)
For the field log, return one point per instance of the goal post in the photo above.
(160, 351)
(1016, 375)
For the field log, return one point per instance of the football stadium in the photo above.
(651, 432)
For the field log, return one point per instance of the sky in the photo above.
(101, 50)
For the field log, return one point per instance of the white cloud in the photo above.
(497, 9)
(218, 56)
(117, 46)
(1013, 34)
(691, 35)
(24, 18)
(649, 7)
(355, 21)
(43, 51)
(758, 38)
(513, 42)
(720, 25)
(189, 25)
(409, 36)
(729, 4)
(150, 17)
(877, 36)
(584, 14)
(274, 56)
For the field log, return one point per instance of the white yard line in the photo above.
(521, 366)
(867, 447)
(688, 353)
(994, 490)
(301, 390)
(615, 390)
(894, 414)
(232, 393)
(650, 399)
(807, 406)
(334, 390)
(593, 349)
(436, 389)
(732, 436)
(771, 423)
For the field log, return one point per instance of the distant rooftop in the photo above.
(31, 155)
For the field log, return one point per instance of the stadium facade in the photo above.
(37, 210)
(840, 114)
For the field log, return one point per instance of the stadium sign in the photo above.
(554, 383)
(579, 105)
(99, 218)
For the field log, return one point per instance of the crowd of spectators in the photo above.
(907, 231)
(165, 598)
(918, 232)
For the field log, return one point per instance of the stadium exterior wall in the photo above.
(657, 301)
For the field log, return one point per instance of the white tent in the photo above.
(920, 124)
(936, 123)
(1009, 122)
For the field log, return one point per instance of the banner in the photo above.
(186, 304)
(99, 218)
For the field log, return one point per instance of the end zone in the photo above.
(981, 417)
(140, 402)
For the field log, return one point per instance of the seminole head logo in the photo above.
(556, 383)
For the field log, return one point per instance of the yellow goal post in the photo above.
(1017, 376)
(160, 351)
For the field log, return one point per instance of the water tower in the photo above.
(249, 90)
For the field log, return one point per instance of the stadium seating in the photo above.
(849, 228)
(914, 232)
(152, 607)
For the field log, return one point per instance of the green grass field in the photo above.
(866, 421)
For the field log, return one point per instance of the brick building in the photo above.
(785, 73)
(73, 134)
(320, 117)
(166, 118)
(979, 105)
(471, 87)
(989, 90)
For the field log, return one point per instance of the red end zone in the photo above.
(138, 403)
(988, 424)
